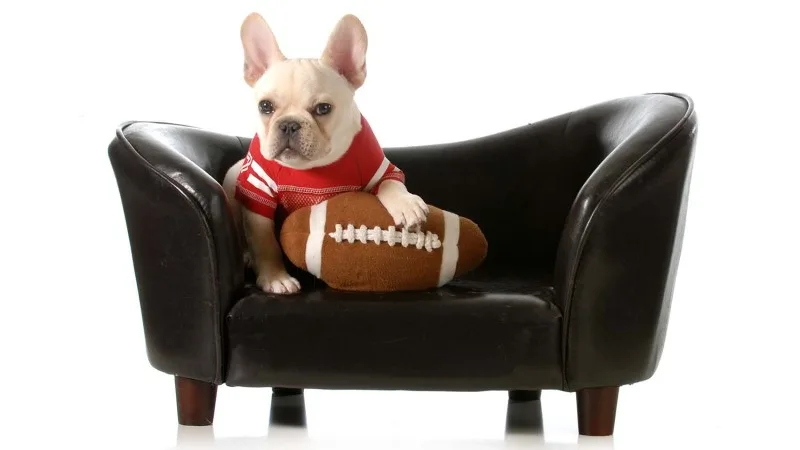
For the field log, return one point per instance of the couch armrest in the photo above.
(186, 257)
(620, 249)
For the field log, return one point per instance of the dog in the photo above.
(312, 142)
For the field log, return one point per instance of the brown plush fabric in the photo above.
(380, 267)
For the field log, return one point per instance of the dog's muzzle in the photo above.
(289, 141)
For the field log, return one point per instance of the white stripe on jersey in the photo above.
(263, 175)
(246, 164)
(378, 174)
(260, 185)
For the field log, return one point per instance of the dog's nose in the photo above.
(289, 127)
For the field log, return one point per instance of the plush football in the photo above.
(350, 242)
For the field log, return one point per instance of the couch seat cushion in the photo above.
(484, 332)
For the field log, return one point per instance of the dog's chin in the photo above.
(296, 159)
(289, 155)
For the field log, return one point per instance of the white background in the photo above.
(74, 369)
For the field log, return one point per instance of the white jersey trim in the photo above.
(264, 177)
(378, 174)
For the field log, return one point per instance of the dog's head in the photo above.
(308, 115)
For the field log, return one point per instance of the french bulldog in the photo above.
(311, 143)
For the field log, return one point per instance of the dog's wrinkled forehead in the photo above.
(302, 83)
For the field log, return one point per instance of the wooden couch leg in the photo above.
(597, 409)
(196, 401)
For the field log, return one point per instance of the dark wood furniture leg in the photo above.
(597, 409)
(196, 401)
(524, 396)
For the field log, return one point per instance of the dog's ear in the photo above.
(260, 47)
(346, 51)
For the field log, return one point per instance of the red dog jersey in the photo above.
(263, 185)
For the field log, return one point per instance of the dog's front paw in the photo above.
(407, 210)
(278, 282)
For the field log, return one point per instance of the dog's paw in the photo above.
(407, 210)
(278, 282)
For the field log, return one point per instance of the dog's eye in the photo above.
(266, 107)
(322, 108)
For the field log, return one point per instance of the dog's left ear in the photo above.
(346, 51)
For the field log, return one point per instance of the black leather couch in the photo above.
(584, 213)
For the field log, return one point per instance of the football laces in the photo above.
(421, 240)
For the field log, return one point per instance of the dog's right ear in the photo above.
(346, 51)
(260, 47)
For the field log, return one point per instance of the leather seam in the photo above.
(207, 235)
(245, 148)
(563, 341)
(654, 150)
